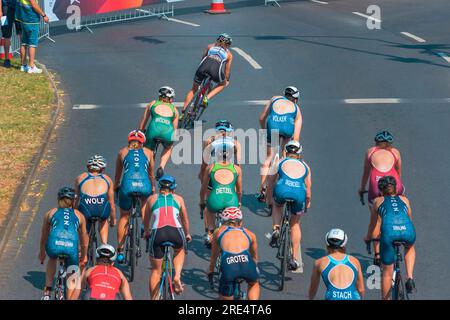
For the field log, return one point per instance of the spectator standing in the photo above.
(8, 9)
(29, 13)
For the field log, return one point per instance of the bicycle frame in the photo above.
(194, 105)
(92, 242)
(166, 284)
(284, 245)
(132, 238)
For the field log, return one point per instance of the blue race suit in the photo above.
(63, 236)
(288, 188)
(236, 265)
(333, 293)
(135, 178)
(94, 206)
(395, 226)
(284, 123)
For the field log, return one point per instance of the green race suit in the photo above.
(222, 195)
(160, 127)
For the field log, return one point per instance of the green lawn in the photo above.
(26, 104)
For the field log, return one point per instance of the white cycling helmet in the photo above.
(96, 162)
(291, 91)
(106, 251)
(166, 92)
(336, 238)
(293, 146)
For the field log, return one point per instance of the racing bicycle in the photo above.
(195, 108)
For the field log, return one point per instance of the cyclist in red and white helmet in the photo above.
(95, 199)
(239, 255)
(134, 174)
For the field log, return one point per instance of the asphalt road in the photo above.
(326, 51)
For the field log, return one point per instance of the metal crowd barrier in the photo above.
(162, 11)
(44, 32)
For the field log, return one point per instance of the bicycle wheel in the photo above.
(283, 257)
(191, 111)
(131, 251)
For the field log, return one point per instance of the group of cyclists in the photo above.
(285, 176)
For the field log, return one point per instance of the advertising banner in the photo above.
(58, 10)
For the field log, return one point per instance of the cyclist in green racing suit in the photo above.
(162, 126)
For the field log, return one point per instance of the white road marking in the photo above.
(183, 22)
(264, 102)
(444, 56)
(410, 35)
(85, 106)
(373, 101)
(247, 57)
(317, 1)
(366, 16)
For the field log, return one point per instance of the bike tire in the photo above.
(137, 238)
(92, 245)
(283, 258)
(132, 253)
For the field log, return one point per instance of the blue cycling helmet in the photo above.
(225, 38)
(66, 192)
(167, 181)
(384, 136)
(224, 125)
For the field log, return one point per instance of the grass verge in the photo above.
(26, 105)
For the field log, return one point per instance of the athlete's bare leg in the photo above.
(178, 261)
(219, 88)
(155, 277)
(103, 229)
(386, 282)
(277, 214)
(253, 291)
(410, 258)
(296, 236)
(266, 165)
(165, 156)
(190, 95)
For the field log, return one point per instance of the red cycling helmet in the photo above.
(136, 135)
(231, 213)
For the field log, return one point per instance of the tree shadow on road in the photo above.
(198, 280)
(36, 278)
(315, 253)
(250, 202)
(197, 246)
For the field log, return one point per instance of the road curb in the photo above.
(23, 188)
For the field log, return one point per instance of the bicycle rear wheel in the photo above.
(191, 111)
(92, 244)
(131, 252)
(283, 249)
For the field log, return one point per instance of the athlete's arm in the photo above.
(184, 218)
(111, 201)
(239, 183)
(84, 238)
(298, 124)
(366, 172)
(175, 119)
(206, 157)
(374, 226)
(146, 116)
(408, 205)
(264, 114)
(77, 292)
(237, 151)
(44, 235)
(360, 280)
(398, 166)
(308, 187)
(315, 279)
(148, 214)
(215, 249)
(205, 181)
(253, 246)
(228, 66)
(151, 167)
(205, 53)
(125, 287)
(77, 190)
(119, 168)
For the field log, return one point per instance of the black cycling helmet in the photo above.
(167, 181)
(291, 92)
(384, 136)
(385, 181)
(225, 38)
(66, 192)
